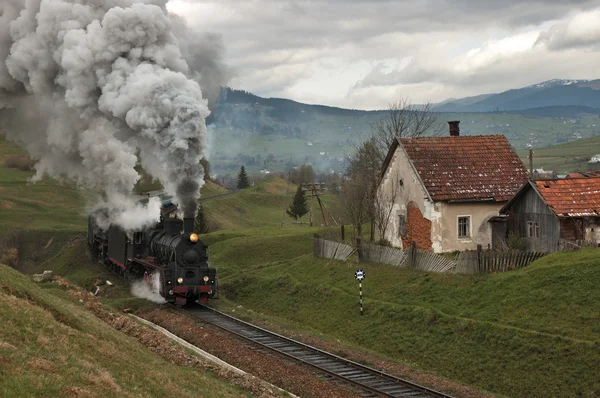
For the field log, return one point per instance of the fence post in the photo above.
(479, 248)
(413, 254)
(343, 233)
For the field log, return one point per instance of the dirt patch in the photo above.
(76, 392)
(289, 375)
(7, 205)
(41, 365)
(6, 345)
(104, 380)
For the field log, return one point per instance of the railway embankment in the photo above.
(57, 340)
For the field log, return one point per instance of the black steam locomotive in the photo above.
(170, 255)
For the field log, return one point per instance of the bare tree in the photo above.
(384, 202)
(363, 167)
(404, 120)
(362, 171)
(356, 198)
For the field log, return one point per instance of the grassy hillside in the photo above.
(262, 205)
(50, 345)
(564, 158)
(527, 333)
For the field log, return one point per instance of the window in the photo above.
(401, 225)
(464, 227)
(533, 229)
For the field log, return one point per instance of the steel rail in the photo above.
(351, 372)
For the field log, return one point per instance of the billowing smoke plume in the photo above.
(148, 291)
(92, 87)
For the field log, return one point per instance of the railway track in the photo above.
(373, 381)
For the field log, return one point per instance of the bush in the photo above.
(516, 243)
(384, 242)
(20, 162)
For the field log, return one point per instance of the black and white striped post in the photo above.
(360, 275)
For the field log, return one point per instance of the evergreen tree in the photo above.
(201, 222)
(299, 207)
(243, 179)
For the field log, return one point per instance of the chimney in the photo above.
(454, 129)
(188, 226)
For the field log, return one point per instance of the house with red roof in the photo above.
(445, 193)
(549, 213)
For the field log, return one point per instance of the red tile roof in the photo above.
(467, 168)
(574, 197)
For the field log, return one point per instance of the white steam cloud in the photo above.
(94, 87)
(148, 291)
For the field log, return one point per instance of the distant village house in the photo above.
(449, 190)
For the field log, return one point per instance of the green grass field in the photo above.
(564, 158)
(528, 333)
(263, 205)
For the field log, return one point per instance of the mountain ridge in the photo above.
(550, 93)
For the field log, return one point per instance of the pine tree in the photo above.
(243, 179)
(201, 222)
(298, 208)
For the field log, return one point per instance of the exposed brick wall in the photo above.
(418, 228)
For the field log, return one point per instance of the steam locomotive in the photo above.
(169, 255)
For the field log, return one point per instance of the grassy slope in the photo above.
(563, 158)
(51, 346)
(528, 333)
(261, 205)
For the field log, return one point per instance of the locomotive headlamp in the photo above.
(205, 279)
(193, 238)
(179, 280)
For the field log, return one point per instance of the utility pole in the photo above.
(531, 164)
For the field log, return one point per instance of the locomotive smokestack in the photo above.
(188, 226)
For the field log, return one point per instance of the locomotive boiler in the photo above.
(169, 255)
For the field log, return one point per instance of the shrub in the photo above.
(384, 242)
(20, 162)
(516, 243)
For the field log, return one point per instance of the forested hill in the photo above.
(283, 110)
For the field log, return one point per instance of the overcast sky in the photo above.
(366, 54)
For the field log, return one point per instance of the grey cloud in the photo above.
(582, 30)
(268, 41)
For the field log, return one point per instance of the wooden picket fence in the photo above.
(479, 262)
(411, 258)
(382, 254)
(467, 262)
(331, 249)
(429, 261)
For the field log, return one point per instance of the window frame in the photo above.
(468, 225)
(533, 229)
